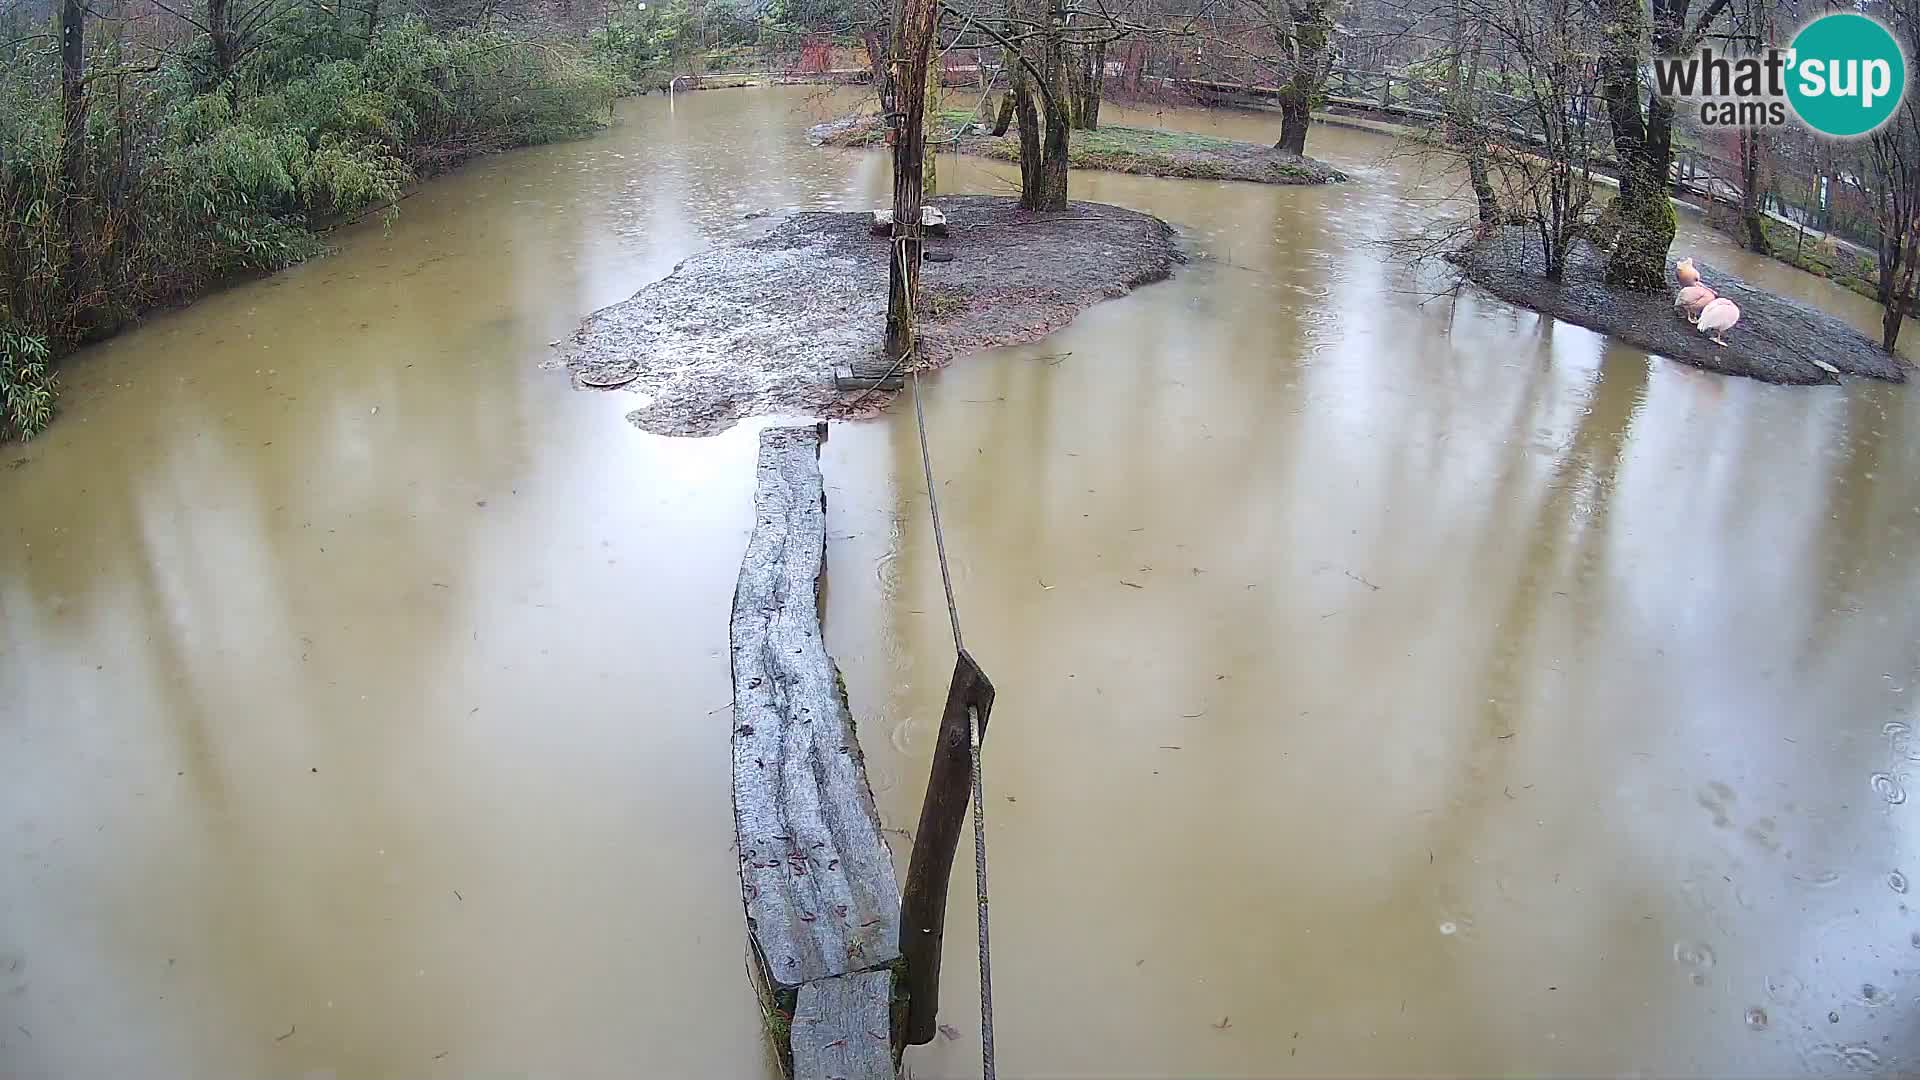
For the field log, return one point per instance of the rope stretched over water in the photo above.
(973, 716)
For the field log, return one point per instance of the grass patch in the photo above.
(1839, 265)
(1147, 151)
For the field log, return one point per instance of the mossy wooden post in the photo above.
(914, 30)
(923, 904)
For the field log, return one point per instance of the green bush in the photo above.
(639, 42)
(26, 384)
(190, 178)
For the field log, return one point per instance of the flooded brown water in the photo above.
(1388, 684)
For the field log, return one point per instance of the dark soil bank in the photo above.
(756, 329)
(1776, 340)
(1147, 151)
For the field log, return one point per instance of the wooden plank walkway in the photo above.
(821, 900)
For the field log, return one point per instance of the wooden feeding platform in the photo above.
(822, 904)
(868, 375)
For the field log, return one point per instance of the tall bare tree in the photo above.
(1894, 154)
(915, 28)
(1642, 122)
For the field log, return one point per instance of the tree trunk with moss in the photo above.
(1052, 194)
(1643, 133)
(1310, 60)
(1004, 120)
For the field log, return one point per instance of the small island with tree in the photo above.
(1563, 115)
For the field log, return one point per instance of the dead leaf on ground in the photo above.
(949, 1031)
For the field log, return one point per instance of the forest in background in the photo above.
(151, 150)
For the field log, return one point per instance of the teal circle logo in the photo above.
(1846, 74)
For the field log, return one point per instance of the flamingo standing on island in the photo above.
(1693, 298)
(1717, 318)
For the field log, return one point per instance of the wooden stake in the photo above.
(923, 905)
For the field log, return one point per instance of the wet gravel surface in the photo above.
(1776, 340)
(756, 328)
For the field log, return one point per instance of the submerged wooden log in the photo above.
(821, 901)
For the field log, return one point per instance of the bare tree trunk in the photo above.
(373, 18)
(1899, 252)
(73, 146)
(1026, 112)
(1752, 199)
(1090, 74)
(1052, 194)
(917, 26)
(1463, 120)
(930, 122)
(876, 46)
(220, 36)
(1005, 120)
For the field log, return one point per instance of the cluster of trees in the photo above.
(1546, 95)
(1538, 100)
(149, 148)
(152, 148)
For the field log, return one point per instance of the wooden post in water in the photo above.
(923, 905)
(914, 28)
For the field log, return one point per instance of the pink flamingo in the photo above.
(1693, 298)
(1685, 272)
(1718, 317)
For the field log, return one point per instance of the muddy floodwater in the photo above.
(1388, 683)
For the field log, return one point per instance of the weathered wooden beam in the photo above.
(923, 908)
(815, 875)
(841, 1028)
(867, 377)
(818, 881)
